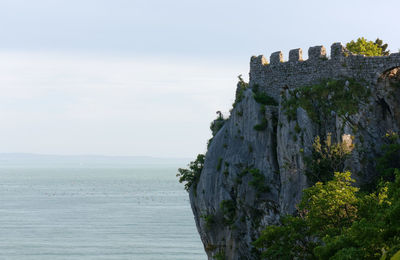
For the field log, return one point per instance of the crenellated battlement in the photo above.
(272, 76)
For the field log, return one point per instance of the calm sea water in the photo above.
(113, 213)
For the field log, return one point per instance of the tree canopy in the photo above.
(335, 220)
(368, 48)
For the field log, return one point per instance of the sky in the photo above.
(145, 78)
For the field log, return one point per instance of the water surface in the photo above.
(96, 213)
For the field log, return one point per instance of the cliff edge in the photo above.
(255, 168)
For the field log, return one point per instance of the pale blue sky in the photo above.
(126, 77)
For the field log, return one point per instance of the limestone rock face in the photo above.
(254, 169)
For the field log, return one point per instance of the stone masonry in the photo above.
(296, 72)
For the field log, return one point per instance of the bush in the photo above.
(240, 89)
(191, 176)
(341, 96)
(228, 209)
(367, 48)
(217, 124)
(219, 164)
(390, 160)
(335, 221)
(209, 219)
(263, 98)
(326, 158)
(258, 182)
(262, 125)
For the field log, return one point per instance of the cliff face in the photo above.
(254, 170)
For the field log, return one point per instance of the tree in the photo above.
(326, 158)
(380, 44)
(362, 46)
(325, 209)
(331, 206)
(191, 176)
(335, 221)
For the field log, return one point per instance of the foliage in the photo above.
(191, 176)
(262, 125)
(391, 157)
(220, 255)
(241, 88)
(365, 47)
(341, 96)
(209, 219)
(296, 237)
(331, 206)
(335, 221)
(291, 240)
(376, 230)
(326, 158)
(380, 44)
(219, 164)
(258, 182)
(228, 209)
(263, 98)
(217, 124)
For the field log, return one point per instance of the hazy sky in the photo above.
(126, 77)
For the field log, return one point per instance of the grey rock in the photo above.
(278, 151)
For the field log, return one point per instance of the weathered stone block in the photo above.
(337, 50)
(296, 55)
(276, 57)
(316, 52)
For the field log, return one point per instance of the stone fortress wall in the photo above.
(296, 72)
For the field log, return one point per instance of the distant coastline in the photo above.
(86, 161)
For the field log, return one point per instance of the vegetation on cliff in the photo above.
(336, 220)
(342, 97)
(326, 159)
(191, 176)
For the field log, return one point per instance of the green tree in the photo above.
(217, 124)
(326, 158)
(335, 221)
(191, 176)
(363, 46)
(325, 209)
(331, 206)
(380, 44)
(376, 231)
(390, 160)
(293, 239)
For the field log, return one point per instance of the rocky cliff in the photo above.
(255, 167)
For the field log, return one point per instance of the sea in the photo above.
(96, 212)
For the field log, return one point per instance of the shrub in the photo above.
(220, 255)
(390, 160)
(365, 47)
(219, 164)
(263, 98)
(336, 221)
(326, 158)
(240, 89)
(258, 182)
(191, 176)
(341, 96)
(209, 219)
(228, 209)
(217, 124)
(262, 125)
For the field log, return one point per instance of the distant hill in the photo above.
(47, 160)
